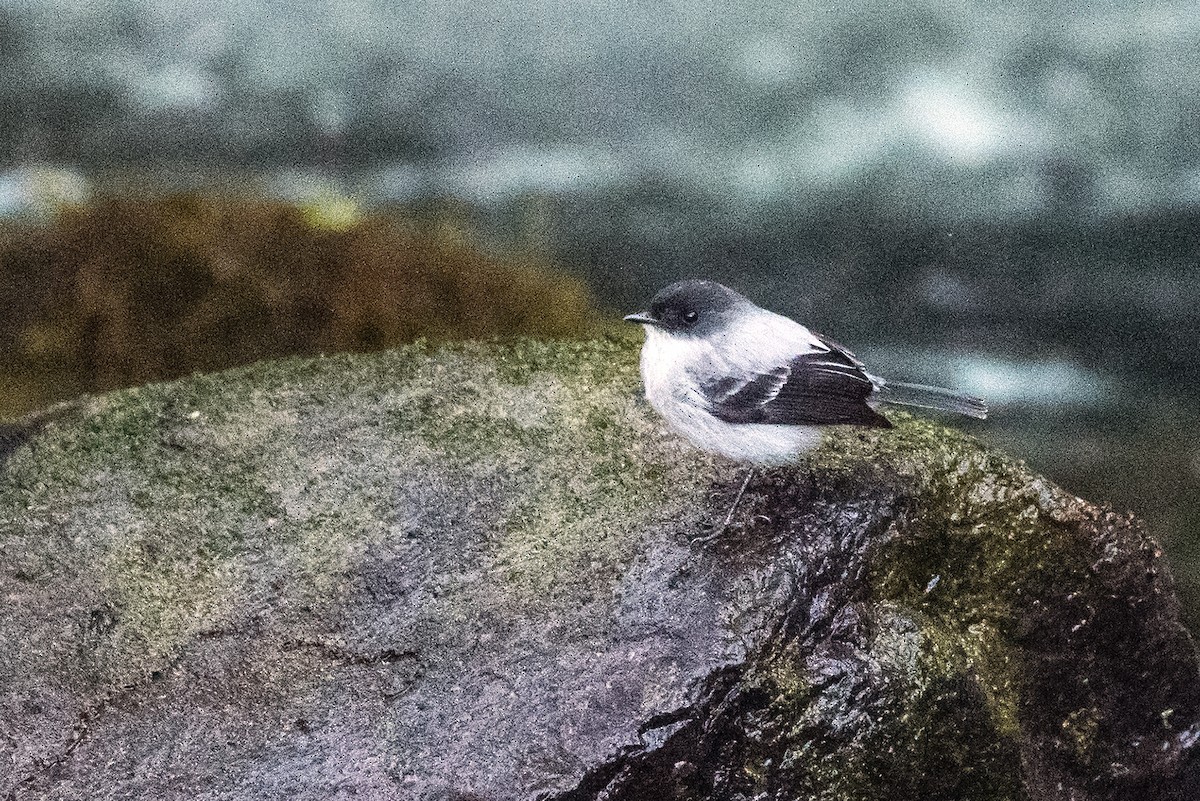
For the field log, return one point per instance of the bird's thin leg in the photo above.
(738, 499)
(729, 517)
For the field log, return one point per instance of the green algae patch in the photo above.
(977, 548)
(163, 593)
(924, 698)
(163, 526)
(914, 445)
(566, 418)
(548, 444)
(880, 715)
(1081, 727)
(591, 522)
(980, 548)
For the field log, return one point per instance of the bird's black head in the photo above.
(690, 307)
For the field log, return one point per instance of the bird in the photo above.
(757, 387)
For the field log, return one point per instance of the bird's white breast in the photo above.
(672, 367)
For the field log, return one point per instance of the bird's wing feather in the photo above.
(822, 387)
(836, 347)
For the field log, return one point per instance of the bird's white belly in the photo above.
(672, 393)
(745, 442)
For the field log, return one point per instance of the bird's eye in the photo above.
(690, 317)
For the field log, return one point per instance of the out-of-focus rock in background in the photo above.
(480, 572)
(125, 291)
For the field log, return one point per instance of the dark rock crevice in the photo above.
(346, 656)
(47, 767)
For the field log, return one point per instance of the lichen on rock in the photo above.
(487, 571)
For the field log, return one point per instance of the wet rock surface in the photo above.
(486, 572)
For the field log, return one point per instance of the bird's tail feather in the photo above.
(944, 400)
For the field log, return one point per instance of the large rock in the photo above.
(481, 572)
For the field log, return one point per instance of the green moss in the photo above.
(980, 655)
(974, 549)
(922, 737)
(554, 406)
(180, 471)
(556, 430)
(1081, 727)
(785, 684)
(165, 591)
(533, 412)
(914, 445)
(947, 588)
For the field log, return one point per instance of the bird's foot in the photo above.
(715, 535)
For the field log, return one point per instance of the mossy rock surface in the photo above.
(485, 571)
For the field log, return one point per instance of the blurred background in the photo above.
(999, 197)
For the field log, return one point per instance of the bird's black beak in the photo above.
(645, 318)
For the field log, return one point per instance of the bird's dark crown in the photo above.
(691, 306)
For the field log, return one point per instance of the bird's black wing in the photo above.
(821, 388)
